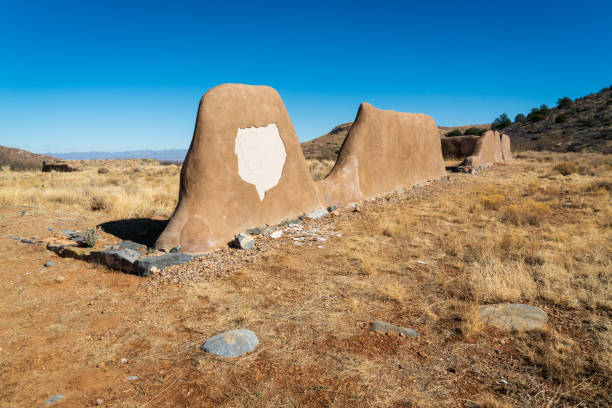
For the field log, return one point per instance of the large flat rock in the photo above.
(513, 316)
(231, 343)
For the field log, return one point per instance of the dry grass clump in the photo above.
(566, 168)
(319, 169)
(493, 201)
(526, 212)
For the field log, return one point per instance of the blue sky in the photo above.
(121, 75)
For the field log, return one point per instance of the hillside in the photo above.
(584, 124)
(18, 159)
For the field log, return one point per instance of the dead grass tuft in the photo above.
(526, 212)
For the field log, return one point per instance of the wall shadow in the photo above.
(141, 230)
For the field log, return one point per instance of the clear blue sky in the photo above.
(121, 75)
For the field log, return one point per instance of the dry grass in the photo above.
(319, 169)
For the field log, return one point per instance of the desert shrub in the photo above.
(519, 118)
(501, 122)
(525, 212)
(588, 122)
(99, 203)
(90, 237)
(537, 115)
(564, 102)
(24, 166)
(561, 118)
(566, 168)
(493, 201)
(453, 133)
(103, 170)
(475, 131)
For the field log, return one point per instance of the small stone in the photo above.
(231, 343)
(49, 228)
(118, 259)
(68, 232)
(244, 241)
(175, 249)
(276, 234)
(421, 263)
(15, 238)
(154, 269)
(332, 208)
(321, 212)
(99, 401)
(123, 360)
(26, 241)
(384, 327)
(255, 231)
(49, 264)
(60, 279)
(513, 316)
(131, 378)
(24, 212)
(53, 399)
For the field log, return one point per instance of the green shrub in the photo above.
(564, 102)
(103, 170)
(475, 131)
(452, 133)
(537, 115)
(90, 237)
(501, 122)
(561, 118)
(519, 118)
(588, 122)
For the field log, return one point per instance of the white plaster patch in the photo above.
(261, 157)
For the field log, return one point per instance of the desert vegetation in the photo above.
(536, 231)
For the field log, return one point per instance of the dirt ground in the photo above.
(66, 328)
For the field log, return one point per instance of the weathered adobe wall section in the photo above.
(505, 147)
(383, 151)
(487, 150)
(215, 201)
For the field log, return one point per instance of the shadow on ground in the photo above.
(142, 230)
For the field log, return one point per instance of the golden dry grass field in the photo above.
(535, 231)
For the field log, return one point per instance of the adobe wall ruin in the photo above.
(383, 151)
(244, 168)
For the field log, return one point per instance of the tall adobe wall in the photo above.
(244, 168)
(505, 147)
(383, 151)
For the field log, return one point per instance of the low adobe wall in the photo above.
(244, 168)
(383, 151)
(487, 150)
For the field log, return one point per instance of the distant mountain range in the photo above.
(161, 155)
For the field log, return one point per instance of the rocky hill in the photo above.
(18, 160)
(584, 124)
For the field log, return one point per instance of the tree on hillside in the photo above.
(519, 118)
(564, 102)
(501, 122)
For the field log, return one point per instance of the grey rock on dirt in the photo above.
(49, 264)
(142, 267)
(119, 259)
(321, 212)
(231, 343)
(384, 327)
(244, 241)
(513, 316)
(53, 399)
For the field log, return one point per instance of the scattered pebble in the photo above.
(276, 234)
(421, 263)
(123, 360)
(131, 378)
(53, 399)
(49, 264)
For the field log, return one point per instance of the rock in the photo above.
(68, 232)
(142, 267)
(49, 228)
(175, 249)
(60, 279)
(99, 401)
(383, 327)
(26, 241)
(513, 316)
(332, 208)
(154, 269)
(123, 360)
(421, 263)
(321, 212)
(244, 241)
(15, 238)
(255, 231)
(231, 343)
(24, 212)
(286, 223)
(276, 234)
(53, 399)
(134, 246)
(131, 378)
(49, 264)
(118, 259)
